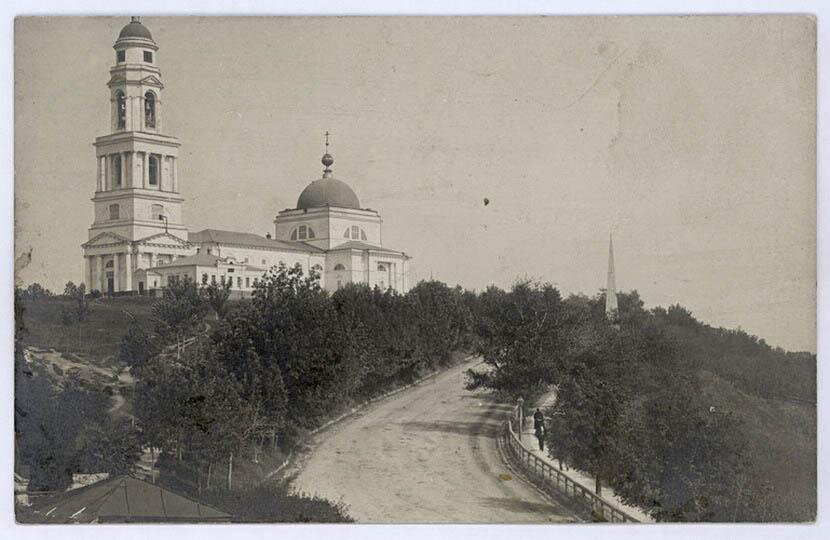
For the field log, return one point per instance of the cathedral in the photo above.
(138, 241)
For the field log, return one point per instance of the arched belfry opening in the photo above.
(150, 110)
(120, 110)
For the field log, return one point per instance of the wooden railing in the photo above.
(553, 477)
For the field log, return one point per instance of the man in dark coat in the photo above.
(539, 428)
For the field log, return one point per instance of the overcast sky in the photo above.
(692, 139)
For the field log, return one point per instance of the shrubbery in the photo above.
(630, 408)
(279, 363)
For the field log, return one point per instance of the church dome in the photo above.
(135, 30)
(328, 191)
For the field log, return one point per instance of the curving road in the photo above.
(427, 454)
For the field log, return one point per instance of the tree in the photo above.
(179, 312)
(70, 290)
(523, 339)
(217, 295)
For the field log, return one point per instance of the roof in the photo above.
(246, 239)
(119, 500)
(135, 30)
(356, 244)
(199, 259)
(328, 191)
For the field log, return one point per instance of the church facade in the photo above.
(138, 241)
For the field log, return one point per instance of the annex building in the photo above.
(138, 240)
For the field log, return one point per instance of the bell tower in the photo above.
(138, 209)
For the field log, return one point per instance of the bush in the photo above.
(274, 503)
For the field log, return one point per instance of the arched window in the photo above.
(302, 232)
(116, 170)
(115, 211)
(149, 110)
(120, 109)
(355, 233)
(153, 173)
(339, 267)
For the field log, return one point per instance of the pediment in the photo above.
(164, 239)
(105, 239)
(116, 80)
(152, 80)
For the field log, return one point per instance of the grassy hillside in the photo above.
(97, 339)
(782, 446)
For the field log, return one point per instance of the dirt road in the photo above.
(428, 454)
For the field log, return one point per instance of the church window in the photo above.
(120, 56)
(153, 173)
(116, 170)
(302, 232)
(115, 211)
(355, 233)
(148, 56)
(120, 109)
(247, 282)
(149, 110)
(339, 267)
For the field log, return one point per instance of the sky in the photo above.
(692, 139)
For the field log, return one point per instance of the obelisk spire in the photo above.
(611, 286)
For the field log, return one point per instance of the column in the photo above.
(128, 270)
(87, 274)
(145, 173)
(116, 278)
(123, 169)
(99, 274)
(134, 180)
(102, 171)
(152, 260)
(175, 170)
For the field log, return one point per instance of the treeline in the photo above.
(630, 409)
(259, 372)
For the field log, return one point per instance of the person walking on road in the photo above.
(539, 427)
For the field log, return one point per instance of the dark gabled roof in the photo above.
(356, 244)
(119, 500)
(247, 239)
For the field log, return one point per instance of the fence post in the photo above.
(521, 416)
